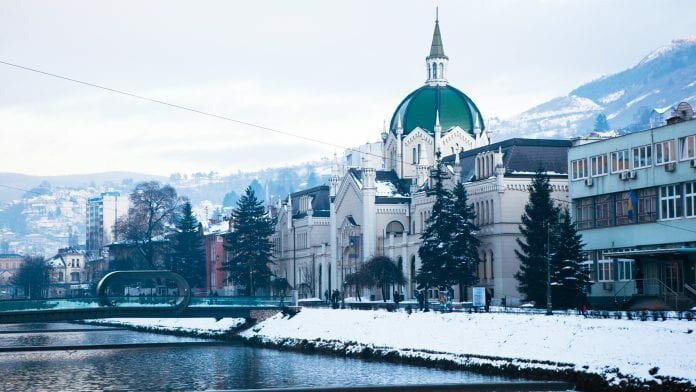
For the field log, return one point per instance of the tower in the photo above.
(436, 62)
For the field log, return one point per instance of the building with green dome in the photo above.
(378, 201)
(434, 118)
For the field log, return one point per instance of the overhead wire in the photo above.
(195, 110)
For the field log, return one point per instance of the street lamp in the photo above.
(561, 219)
(548, 268)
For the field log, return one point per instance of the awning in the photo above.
(650, 252)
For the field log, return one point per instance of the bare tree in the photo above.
(33, 277)
(307, 279)
(150, 217)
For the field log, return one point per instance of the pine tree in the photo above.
(188, 256)
(434, 251)
(464, 243)
(538, 222)
(249, 245)
(568, 281)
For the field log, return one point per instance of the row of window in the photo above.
(636, 158)
(645, 205)
(607, 269)
(485, 266)
(74, 276)
(484, 212)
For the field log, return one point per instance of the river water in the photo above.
(184, 367)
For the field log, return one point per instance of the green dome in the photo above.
(418, 110)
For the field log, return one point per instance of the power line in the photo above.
(193, 110)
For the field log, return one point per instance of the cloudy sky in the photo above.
(327, 70)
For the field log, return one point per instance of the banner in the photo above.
(354, 247)
(479, 296)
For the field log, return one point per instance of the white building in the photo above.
(102, 213)
(381, 208)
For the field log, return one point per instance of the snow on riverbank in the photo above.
(614, 349)
(205, 327)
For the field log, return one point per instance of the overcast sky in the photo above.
(322, 69)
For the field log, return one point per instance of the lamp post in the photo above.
(548, 268)
(561, 219)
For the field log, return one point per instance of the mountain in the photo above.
(14, 185)
(662, 79)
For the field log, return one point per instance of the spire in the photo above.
(437, 61)
(438, 131)
(436, 48)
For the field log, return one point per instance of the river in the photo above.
(183, 364)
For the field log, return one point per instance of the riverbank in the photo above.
(198, 327)
(595, 354)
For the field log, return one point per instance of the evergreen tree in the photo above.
(33, 277)
(538, 224)
(249, 245)
(434, 251)
(188, 256)
(601, 123)
(568, 281)
(464, 244)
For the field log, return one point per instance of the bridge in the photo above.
(103, 305)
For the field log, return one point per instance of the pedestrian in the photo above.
(584, 310)
(326, 296)
(397, 297)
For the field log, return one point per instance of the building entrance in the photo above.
(672, 274)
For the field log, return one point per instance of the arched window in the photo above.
(430, 74)
(484, 219)
(434, 70)
(485, 272)
(415, 156)
(395, 227)
(490, 257)
(419, 153)
(60, 276)
(442, 71)
(492, 215)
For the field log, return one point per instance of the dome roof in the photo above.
(419, 109)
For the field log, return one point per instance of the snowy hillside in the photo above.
(663, 78)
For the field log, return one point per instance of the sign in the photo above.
(479, 294)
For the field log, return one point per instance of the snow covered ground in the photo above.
(195, 326)
(616, 350)
(611, 348)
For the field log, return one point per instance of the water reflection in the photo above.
(199, 368)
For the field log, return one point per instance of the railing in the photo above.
(649, 287)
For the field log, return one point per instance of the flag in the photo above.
(354, 247)
(632, 204)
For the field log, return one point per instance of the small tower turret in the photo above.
(436, 62)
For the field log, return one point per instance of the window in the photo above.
(74, 276)
(605, 270)
(670, 203)
(60, 276)
(690, 199)
(579, 168)
(419, 153)
(647, 205)
(583, 213)
(415, 156)
(688, 147)
(603, 211)
(599, 165)
(624, 269)
(664, 152)
(587, 265)
(490, 257)
(619, 161)
(434, 70)
(642, 156)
